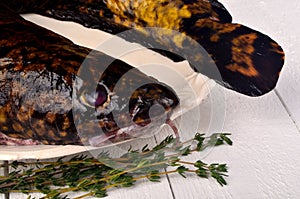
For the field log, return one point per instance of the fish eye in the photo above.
(98, 98)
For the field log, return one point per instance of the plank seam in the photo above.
(170, 185)
(167, 176)
(287, 109)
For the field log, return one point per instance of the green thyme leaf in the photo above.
(96, 175)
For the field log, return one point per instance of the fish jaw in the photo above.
(127, 133)
(9, 141)
(147, 109)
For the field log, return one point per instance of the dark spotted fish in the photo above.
(247, 61)
(45, 100)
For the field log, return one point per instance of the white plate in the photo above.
(190, 87)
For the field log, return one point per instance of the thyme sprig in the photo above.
(96, 176)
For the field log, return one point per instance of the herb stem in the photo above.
(97, 175)
(95, 161)
(134, 179)
(157, 174)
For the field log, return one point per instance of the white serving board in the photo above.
(190, 87)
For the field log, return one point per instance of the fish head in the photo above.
(129, 106)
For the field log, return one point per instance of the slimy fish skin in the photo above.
(246, 60)
(38, 68)
(38, 74)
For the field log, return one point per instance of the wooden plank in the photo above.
(1, 174)
(4, 172)
(265, 157)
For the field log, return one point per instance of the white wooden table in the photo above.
(264, 161)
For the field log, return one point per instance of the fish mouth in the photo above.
(145, 117)
(118, 118)
(146, 128)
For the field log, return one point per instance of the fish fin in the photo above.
(223, 14)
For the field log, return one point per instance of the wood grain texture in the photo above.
(262, 162)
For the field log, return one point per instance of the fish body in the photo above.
(45, 100)
(245, 60)
(39, 68)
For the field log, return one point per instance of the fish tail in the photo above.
(248, 61)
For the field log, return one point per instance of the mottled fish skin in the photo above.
(38, 69)
(248, 61)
